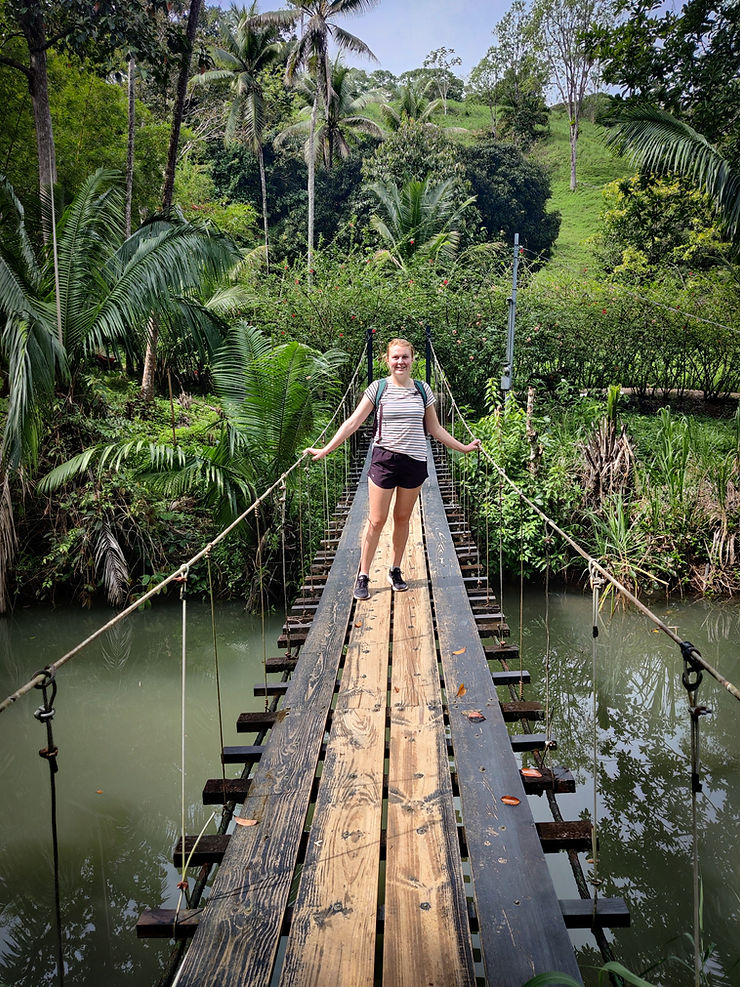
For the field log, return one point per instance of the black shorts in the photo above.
(396, 469)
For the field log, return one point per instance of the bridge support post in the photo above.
(369, 343)
(428, 353)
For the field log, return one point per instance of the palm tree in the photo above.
(414, 105)
(342, 119)
(661, 143)
(311, 51)
(101, 288)
(418, 220)
(271, 398)
(249, 47)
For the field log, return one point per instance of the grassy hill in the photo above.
(580, 210)
(596, 167)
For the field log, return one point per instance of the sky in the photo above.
(401, 33)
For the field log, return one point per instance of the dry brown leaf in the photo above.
(474, 715)
(244, 822)
(531, 773)
(461, 691)
(510, 800)
(461, 651)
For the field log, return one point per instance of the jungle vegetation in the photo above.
(204, 212)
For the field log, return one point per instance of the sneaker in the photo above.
(396, 580)
(361, 590)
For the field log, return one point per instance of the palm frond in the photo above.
(659, 142)
(162, 266)
(33, 354)
(111, 566)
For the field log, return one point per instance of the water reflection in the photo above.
(644, 769)
(117, 726)
(118, 730)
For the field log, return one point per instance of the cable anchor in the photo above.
(45, 714)
(692, 670)
(597, 581)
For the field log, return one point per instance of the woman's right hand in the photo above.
(314, 453)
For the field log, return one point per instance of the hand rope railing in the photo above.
(686, 647)
(179, 574)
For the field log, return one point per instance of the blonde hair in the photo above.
(398, 342)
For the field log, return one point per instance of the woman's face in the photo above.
(400, 360)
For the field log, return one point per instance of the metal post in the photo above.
(369, 357)
(507, 376)
(428, 354)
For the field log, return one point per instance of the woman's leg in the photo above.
(404, 506)
(379, 502)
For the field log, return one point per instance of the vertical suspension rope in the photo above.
(691, 679)
(326, 493)
(45, 714)
(218, 678)
(301, 555)
(184, 573)
(548, 724)
(488, 541)
(521, 600)
(262, 599)
(596, 583)
(283, 509)
(310, 512)
(500, 542)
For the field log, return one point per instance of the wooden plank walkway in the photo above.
(354, 868)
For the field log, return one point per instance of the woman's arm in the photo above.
(344, 431)
(433, 428)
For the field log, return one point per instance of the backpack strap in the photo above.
(382, 384)
(378, 423)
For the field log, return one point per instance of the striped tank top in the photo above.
(401, 415)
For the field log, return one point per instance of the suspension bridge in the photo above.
(380, 830)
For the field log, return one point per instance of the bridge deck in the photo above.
(363, 867)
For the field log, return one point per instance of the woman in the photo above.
(399, 459)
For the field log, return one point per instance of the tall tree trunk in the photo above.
(263, 183)
(130, 145)
(312, 177)
(179, 108)
(150, 360)
(573, 141)
(34, 31)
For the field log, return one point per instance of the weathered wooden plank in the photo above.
(572, 834)
(427, 937)
(237, 939)
(219, 791)
(167, 923)
(522, 742)
(333, 930)
(255, 722)
(510, 677)
(522, 710)
(271, 688)
(203, 850)
(511, 882)
(555, 779)
(601, 913)
(244, 754)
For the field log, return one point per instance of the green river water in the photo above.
(117, 726)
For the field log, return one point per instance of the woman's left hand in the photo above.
(472, 446)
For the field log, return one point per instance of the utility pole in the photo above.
(508, 374)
